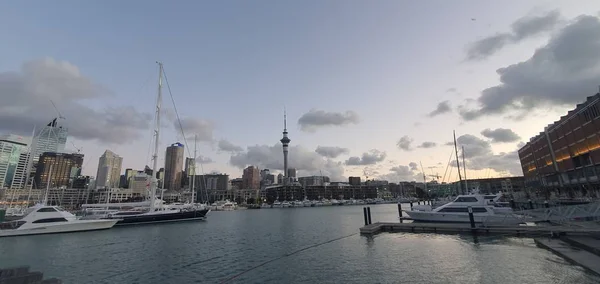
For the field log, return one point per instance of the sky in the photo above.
(371, 88)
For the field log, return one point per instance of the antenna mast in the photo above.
(457, 162)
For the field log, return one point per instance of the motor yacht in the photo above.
(484, 209)
(41, 219)
(285, 204)
(276, 204)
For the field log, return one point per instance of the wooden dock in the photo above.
(459, 228)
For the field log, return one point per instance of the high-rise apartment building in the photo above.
(11, 147)
(109, 170)
(251, 178)
(173, 166)
(61, 168)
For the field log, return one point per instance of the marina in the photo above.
(231, 242)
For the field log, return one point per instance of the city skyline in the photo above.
(368, 95)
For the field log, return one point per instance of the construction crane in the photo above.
(78, 149)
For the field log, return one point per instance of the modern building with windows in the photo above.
(60, 168)
(565, 158)
(11, 147)
(174, 166)
(109, 170)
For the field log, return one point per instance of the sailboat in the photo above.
(157, 211)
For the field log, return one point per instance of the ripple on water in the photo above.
(229, 243)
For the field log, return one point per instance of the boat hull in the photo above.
(66, 227)
(176, 216)
(435, 217)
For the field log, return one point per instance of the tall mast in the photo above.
(154, 179)
(194, 171)
(465, 169)
(45, 202)
(424, 178)
(457, 162)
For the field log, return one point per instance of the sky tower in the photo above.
(285, 141)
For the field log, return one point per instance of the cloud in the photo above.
(404, 143)
(500, 135)
(27, 96)
(203, 129)
(305, 161)
(331, 152)
(521, 29)
(369, 158)
(563, 72)
(427, 145)
(314, 119)
(401, 173)
(204, 160)
(226, 146)
(521, 145)
(413, 166)
(479, 156)
(451, 90)
(442, 107)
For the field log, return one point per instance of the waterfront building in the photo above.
(291, 174)
(128, 174)
(109, 170)
(140, 182)
(564, 159)
(60, 167)
(213, 187)
(313, 180)
(174, 166)
(251, 178)
(11, 148)
(354, 180)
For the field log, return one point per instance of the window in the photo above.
(50, 220)
(466, 199)
(46, 209)
(454, 209)
(479, 210)
(489, 197)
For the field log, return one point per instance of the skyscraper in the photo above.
(285, 141)
(61, 168)
(173, 166)
(11, 147)
(109, 170)
(51, 138)
(251, 178)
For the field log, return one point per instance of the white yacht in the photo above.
(41, 219)
(276, 204)
(485, 209)
(306, 203)
(285, 204)
(229, 206)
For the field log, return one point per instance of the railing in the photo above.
(564, 215)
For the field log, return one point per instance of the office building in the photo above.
(173, 166)
(354, 180)
(212, 187)
(313, 180)
(61, 168)
(128, 174)
(11, 148)
(109, 170)
(51, 138)
(140, 182)
(566, 155)
(251, 178)
(291, 174)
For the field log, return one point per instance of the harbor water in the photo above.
(232, 245)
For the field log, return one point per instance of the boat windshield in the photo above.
(11, 225)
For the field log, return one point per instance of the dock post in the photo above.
(369, 214)
(546, 204)
(530, 204)
(512, 204)
(411, 205)
(365, 214)
(400, 210)
(471, 218)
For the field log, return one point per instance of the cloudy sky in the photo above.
(371, 88)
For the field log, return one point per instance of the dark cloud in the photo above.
(226, 146)
(563, 72)
(315, 119)
(479, 156)
(203, 129)
(405, 143)
(427, 145)
(521, 29)
(500, 135)
(204, 160)
(369, 158)
(413, 166)
(442, 107)
(27, 95)
(305, 161)
(401, 173)
(331, 152)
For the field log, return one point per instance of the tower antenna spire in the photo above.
(285, 141)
